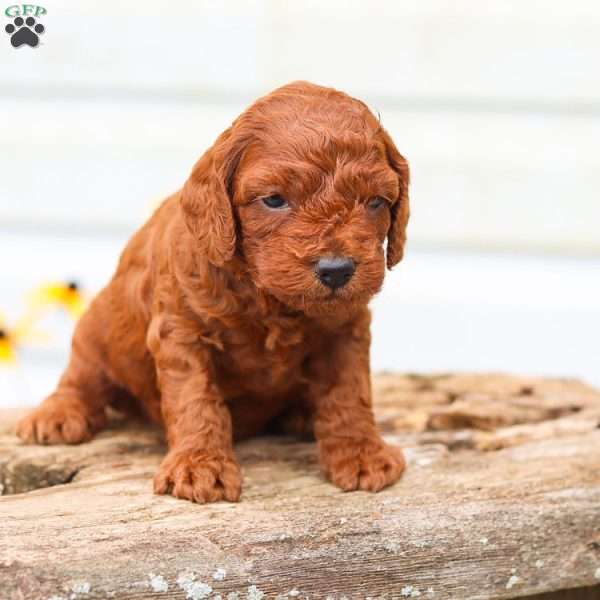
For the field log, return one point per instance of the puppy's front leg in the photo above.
(200, 465)
(352, 453)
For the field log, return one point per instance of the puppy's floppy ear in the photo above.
(206, 201)
(400, 210)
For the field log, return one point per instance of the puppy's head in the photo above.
(306, 186)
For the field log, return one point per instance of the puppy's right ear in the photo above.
(400, 210)
(206, 203)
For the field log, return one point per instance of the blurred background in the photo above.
(495, 104)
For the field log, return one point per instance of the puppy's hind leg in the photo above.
(76, 409)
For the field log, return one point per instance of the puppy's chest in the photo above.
(263, 357)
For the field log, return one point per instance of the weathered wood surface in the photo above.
(501, 500)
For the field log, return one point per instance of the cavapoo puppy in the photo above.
(241, 305)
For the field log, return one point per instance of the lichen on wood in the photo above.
(501, 499)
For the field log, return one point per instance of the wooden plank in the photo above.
(588, 593)
(437, 311)
(518, 52)
(90, 45)
(478, 180)
(511, 51)
(464, 522)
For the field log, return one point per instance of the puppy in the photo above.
(241, 305)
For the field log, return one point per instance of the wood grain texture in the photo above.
(501, 500)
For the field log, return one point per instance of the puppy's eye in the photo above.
(376, 203)
(275, 202)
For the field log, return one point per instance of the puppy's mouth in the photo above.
(324, 299)
(313, 293)
(337, 295)
(347, 294)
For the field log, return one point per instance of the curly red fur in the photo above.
(215, 321)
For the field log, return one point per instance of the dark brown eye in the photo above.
(377, 203)
(275, 202)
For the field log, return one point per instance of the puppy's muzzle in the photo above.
(335, 272)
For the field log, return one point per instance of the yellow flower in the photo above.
(65, 295)
(7, 350)
(13, 338)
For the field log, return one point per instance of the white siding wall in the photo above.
(496, 105)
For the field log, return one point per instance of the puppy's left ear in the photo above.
(400, 210)
(206, 202)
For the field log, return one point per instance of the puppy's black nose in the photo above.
(335, 272)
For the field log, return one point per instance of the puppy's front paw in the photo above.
(199, 476)
(368, 465)
(59, 423)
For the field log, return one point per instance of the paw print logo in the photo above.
(24, 32)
